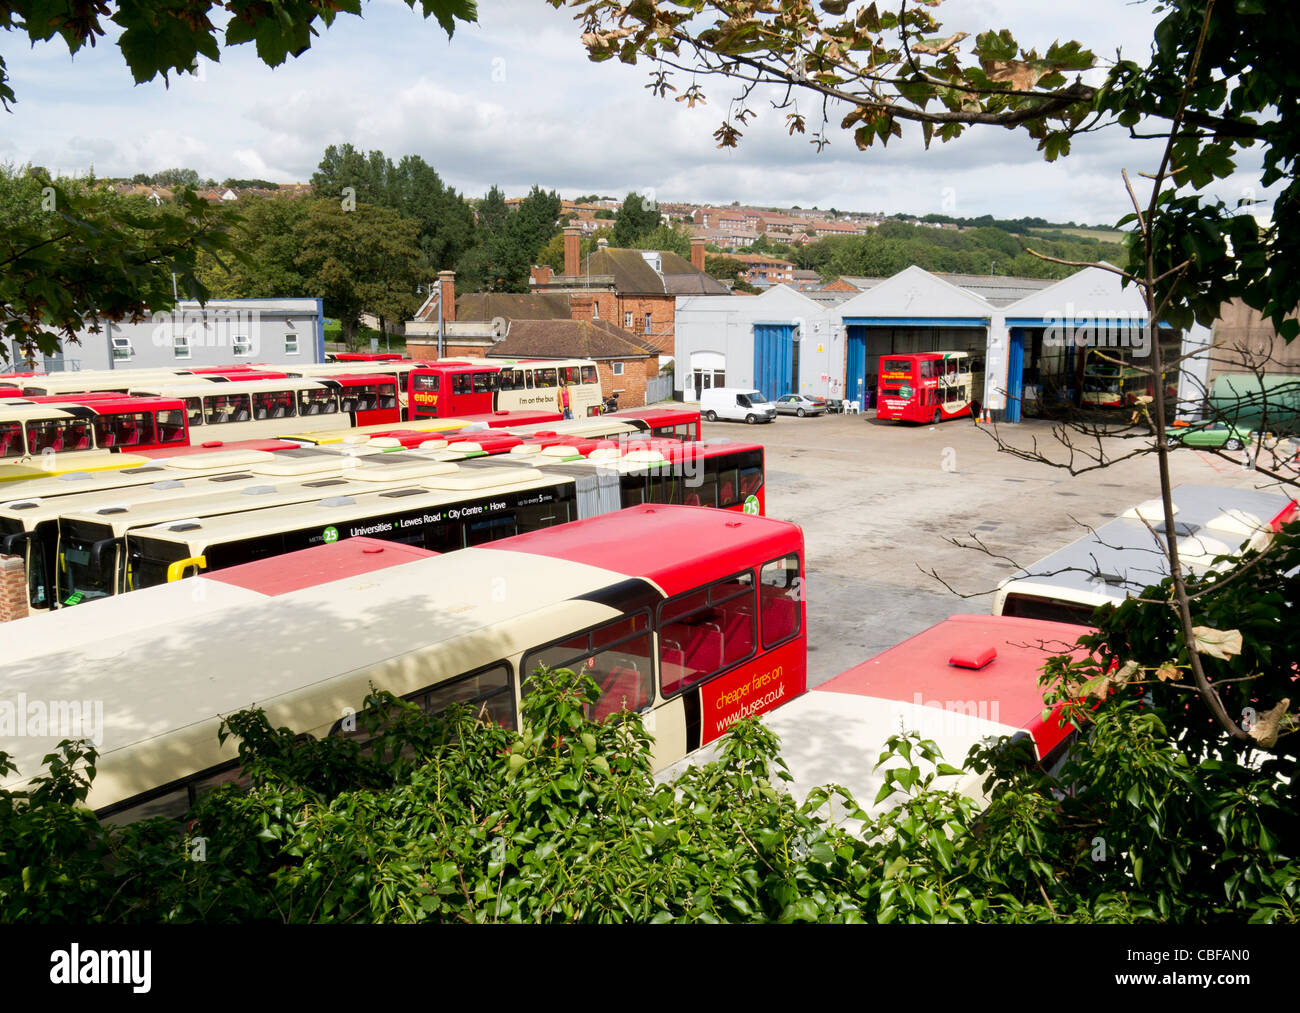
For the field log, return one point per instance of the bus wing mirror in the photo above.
(176, 570)
(12, 545)
(97, 550)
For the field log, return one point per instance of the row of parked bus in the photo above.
(97, 414)
(111, 532)
(694, 639)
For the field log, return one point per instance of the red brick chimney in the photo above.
(447, 293)
(541, 274)
(582, 307)
(697, 254)
(572, 239)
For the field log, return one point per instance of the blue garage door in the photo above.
(1015, 374)
(855, 373)
(774, 359)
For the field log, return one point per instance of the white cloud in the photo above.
(514, 101)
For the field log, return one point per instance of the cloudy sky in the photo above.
(514, 101)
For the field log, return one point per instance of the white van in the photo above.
(737, 404)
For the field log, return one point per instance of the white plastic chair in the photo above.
(853, 408)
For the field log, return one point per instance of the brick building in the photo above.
(635, 290)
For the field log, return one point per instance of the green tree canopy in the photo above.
(361, 260)
(73, 251)
(635, 218)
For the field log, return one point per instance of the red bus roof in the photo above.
(358, 378)
(632, 541)
(320, 564)
(924, 666)
(111, 403)
(367, 356)
(658, 416)
(506, 419)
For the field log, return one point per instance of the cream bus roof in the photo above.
(29, 412)
(208, 388)
(342, 506)
(304, 657)
(388, 472)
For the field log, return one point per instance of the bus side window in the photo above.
(388, 396)
(728, 487)
(490, 692)
(194, 407)
(615, 654)
(11, 439)
(483, 383)
(780, 592)
(705, 631)
(171, 426)
(528, 378)
(589, 374)
(460, 383)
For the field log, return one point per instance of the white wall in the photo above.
(212, 330)
(725, 325)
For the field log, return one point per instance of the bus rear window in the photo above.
(896, 369)
(1056, 610)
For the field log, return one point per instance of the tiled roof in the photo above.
(568, 339)
(633, 274)
(512, 305)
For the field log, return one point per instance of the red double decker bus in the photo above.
(925, 387)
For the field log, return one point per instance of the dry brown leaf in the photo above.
(1020, 75)
(1265, 730)
(1126, 673)
(1168, 672)
(936, 47)
(1221, 644)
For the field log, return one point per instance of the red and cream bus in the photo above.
(29, 523)
(266, 409)
(451, 388)
(693, 639)
(958, 683)
(925, 387)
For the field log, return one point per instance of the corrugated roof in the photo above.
(998, 289)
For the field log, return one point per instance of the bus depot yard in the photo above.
(879, 502)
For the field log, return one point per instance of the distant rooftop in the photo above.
(999, 289)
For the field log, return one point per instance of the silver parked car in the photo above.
(801, 405)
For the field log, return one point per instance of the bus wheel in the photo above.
(710, 416)
(938, 416)
(751, 419)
